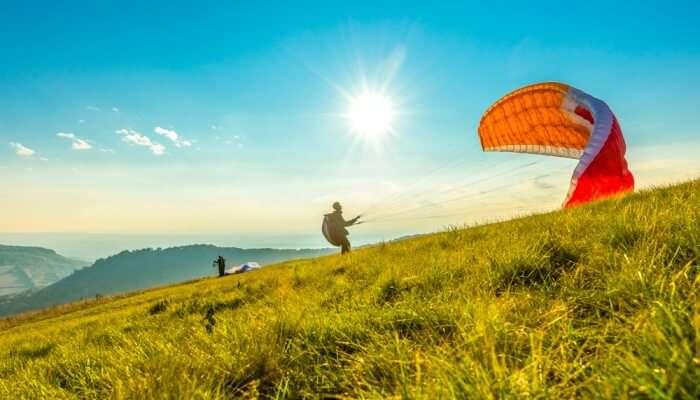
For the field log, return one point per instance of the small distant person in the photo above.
(338, 224)
(221, 263)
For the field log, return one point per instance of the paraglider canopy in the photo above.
(246, 267)
(332, 231)
(556, 119)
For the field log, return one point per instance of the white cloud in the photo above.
(76, 142)
(44, 159)
(173, 136)
(115, 109)
(107, 151)
(92, 108)
(214, 127)
(22, 150)
(158, 149)
(81, 121)
(134, 138)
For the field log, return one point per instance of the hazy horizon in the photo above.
(92, 246)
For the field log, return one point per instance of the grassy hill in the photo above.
(596, 302)
(23, 268)
(141, 269)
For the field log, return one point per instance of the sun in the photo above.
(370, 115)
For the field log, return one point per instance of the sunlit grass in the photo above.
(596, 302)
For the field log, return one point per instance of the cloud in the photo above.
(134, 138)
(22, 150)
(158, 149)
(115, 109)
(76, 142)
(92, 108)
(81, 121)
(107, 151)
(214, 127)
(173, 136)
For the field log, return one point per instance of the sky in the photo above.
(227, 122)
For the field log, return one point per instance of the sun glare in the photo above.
(370, 115)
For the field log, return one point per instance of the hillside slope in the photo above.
(23, 268)
(595, 302)
(140, 269)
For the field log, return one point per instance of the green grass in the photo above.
(596, 302)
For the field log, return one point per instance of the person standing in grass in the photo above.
(221, 263)
(336, 227)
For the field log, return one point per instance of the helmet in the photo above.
(337, 206)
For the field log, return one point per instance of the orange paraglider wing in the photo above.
(558, 120)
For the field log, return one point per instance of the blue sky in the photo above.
(254, 92)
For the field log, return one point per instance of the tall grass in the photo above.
(597, 302)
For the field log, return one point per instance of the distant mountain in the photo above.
(23, 268)
(141, 269)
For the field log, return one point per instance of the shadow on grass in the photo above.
(32, 353)
(539, 267)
